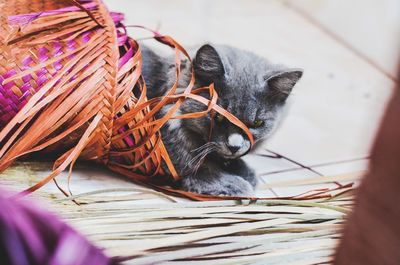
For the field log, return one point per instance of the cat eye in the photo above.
(219, 117)
(257, 124)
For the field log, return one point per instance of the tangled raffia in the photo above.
(67, 73)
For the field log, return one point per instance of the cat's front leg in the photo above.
(213, 180)
(240, 168)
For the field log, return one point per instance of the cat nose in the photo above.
(235, 142)
(233, 148)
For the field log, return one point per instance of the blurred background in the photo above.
(349, 53)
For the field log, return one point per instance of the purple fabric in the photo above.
(32, 236)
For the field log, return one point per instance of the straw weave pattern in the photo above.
(86, 74)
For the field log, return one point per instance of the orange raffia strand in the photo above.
(89, 111)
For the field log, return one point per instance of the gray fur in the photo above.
(248, 86)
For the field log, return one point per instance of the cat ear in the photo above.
(207, 63)
(282, 83)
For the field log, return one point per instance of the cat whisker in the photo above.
(201, 160)
(205, 150)
(197, 161)
(208, 144)
(195, 158)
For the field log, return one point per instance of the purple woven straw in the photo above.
(25, 19)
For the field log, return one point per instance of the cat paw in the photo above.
(239, 168)
(223, 185)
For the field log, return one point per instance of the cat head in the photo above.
(249, 87)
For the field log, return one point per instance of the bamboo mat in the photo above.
(147, 227)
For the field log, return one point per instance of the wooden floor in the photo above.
(349, 55)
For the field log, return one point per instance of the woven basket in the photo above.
(67, 72)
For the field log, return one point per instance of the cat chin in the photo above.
(231, 157)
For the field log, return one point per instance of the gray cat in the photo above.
(248, 86)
